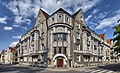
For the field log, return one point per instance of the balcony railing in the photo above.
(87, 51)
(54, 44)
(83, 51)
(65, 44)
(60, 43)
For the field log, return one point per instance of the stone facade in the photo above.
(62, 40)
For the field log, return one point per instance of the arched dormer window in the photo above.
(60, 17)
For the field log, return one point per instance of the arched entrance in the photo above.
(60, 60)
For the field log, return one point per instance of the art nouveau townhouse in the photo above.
(62, 40)
(9, 56)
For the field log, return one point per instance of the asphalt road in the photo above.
(112, 68)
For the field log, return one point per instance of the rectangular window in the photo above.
(42, 26)
(67, 19)
(60, 49)
(42, 35)
(65, 50)
(101, 47)
(19, 51)
(22, 51)
(95, 48)
(55, 51)
(64, 37)
(78, 26)
(52, 18)
(42, 47)
(78, 58)
(55, 37)
(78, 47)
(78, 35)
(59, 37)
(32, 37)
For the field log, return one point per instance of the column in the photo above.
(51, 48)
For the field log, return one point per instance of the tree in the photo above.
(117, 37)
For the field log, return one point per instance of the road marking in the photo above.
(95, 71)
(110, 72)
(89, 70)
(104, 71)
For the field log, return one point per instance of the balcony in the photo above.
(65, 44)
(87, 51)
(42, 51)
(100, 54)
(54, 44)
(78, 51)
(83, 51)
(95, 53)
(33, 52)
(60, 43)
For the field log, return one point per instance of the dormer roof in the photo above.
(61, 10)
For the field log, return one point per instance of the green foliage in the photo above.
(117, 38)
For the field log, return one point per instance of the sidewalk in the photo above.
(68, 69)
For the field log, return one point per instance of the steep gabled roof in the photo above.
(109, 41)
(61, 10)
(74, 15)
(103, 35)
(46, 14)
(3, 51)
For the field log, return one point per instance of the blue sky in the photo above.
(18, 16)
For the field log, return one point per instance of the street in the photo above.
(112, 68)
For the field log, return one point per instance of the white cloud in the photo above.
(102, 15)
(27, 8)
(16, 37)
(21, 20)
(3, 20)
(95, 11)
(25, 28)
(104, 30)
(87, 19)
(109, 21)
(7, 28)
(16, 25)
(13, 44)
(23, 9)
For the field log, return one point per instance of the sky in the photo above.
(19, 16)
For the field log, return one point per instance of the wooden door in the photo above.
(60, 63)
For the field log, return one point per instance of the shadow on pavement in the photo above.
(112, 67)
(8, 68)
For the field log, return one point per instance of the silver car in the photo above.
(40, 64)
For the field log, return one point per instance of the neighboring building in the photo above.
(3, 56)
(0, 57)
(63, 40)
(11, 55)
(6, 57)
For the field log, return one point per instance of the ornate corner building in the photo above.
(63, 40)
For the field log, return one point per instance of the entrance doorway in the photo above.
(59, 62)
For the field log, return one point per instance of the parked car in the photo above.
(14, 63)
(40, 64)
